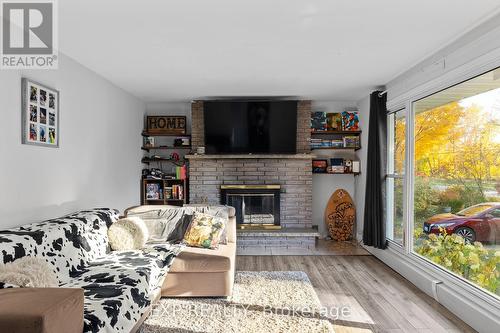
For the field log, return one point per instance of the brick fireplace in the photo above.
(291, 172)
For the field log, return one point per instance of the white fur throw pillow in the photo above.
(29, 272)
(130, 233)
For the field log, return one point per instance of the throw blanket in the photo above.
(118, 286)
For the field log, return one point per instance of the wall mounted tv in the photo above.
(250, 127)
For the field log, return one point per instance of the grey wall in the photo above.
(98, 162)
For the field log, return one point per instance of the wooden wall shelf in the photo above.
(335, 132)
(334, 174)
(336, 148)
(145, 133)
(163, 184)
(147, 160)
(166, 148)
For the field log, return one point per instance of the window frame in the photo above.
(408, 244)
(450, 290)
(391, 176)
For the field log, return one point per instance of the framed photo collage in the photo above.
(40, 114)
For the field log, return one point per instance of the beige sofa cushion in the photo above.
(193, 259)
(215, 284)
(41, 310)
(231, 211)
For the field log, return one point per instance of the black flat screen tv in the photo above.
(250, 127)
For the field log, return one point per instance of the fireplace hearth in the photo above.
(257, 206)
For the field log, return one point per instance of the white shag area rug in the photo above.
(261, 302)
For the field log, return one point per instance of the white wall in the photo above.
(323, 184)
(98, 162)
(360, 182)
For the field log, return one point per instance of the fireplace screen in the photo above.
(255, 205)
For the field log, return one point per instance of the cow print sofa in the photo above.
(119, 286)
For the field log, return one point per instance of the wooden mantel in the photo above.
(250, 156)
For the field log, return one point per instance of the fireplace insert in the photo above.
(257, 206)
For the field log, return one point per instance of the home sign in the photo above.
(166, 125)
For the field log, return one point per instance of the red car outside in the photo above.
(477, 223)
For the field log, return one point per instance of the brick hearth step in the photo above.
(266, 240)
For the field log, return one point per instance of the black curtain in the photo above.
(374, 224)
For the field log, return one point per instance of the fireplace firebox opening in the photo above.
(257, 206)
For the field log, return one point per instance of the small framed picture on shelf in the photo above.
(319, 166)
(356, 167)
(336, 161)
(149, 141)
(334, 121)
(318, 121)
(153, 191)
(182, 142)
(350, 120)
(336, 165)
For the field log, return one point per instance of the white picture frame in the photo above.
(39, 114)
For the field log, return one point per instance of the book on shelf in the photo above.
(181, 172)
(180, 192)
(168, 192)
(336, 169)
(351, 141)
(176, 192)
(325, 143)
(341, 165)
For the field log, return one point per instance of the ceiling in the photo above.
(164, 50)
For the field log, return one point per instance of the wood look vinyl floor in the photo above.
(379, 299)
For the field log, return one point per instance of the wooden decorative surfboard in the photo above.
(340, 214)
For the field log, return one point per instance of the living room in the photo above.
(300, 166)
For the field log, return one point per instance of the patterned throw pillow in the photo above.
(204, 231)
(214, 210)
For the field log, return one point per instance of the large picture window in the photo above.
(456, 180)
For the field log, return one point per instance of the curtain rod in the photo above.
(382, 93)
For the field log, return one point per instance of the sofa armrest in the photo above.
(41, 310)
(231, 229)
